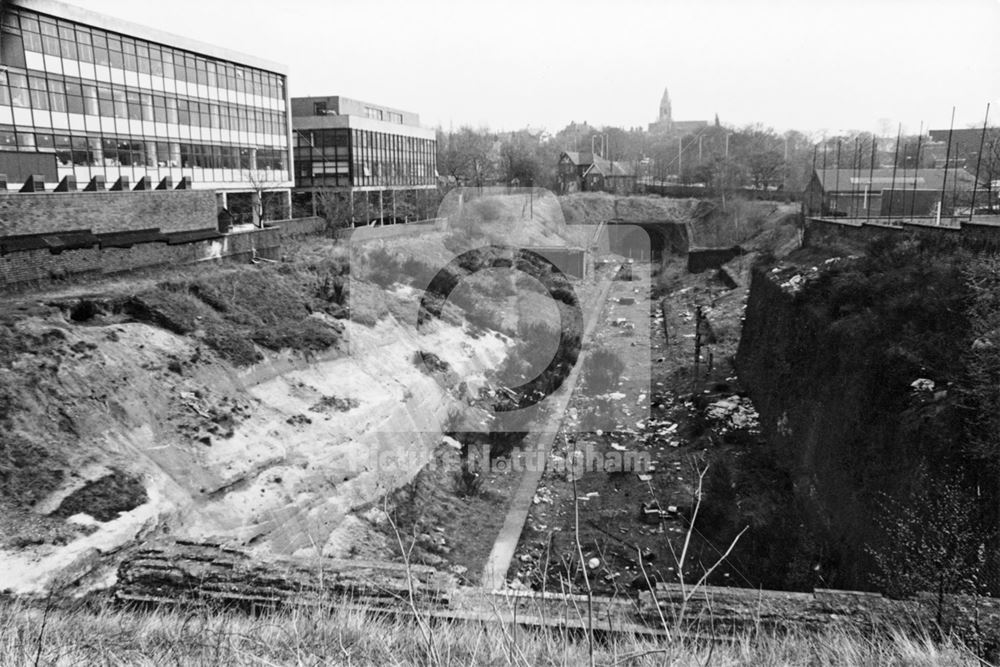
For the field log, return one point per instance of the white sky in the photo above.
(805, 65)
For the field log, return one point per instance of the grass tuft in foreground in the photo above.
(98, 633)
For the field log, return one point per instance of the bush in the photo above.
(382, 267)
(232, 345)
(105, 498)
(602, 370)
(170, 310)
(308, 334)
(468, 482)
(27, 471)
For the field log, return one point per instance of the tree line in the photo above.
(718, 156)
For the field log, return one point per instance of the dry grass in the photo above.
(106, 635)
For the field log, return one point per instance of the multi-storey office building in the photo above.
(84, 95)
(365, 152)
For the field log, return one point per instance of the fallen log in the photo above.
(188, 572)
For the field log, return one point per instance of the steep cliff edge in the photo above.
(869, 379)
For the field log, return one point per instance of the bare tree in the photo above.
(262, 183)
(469, 156)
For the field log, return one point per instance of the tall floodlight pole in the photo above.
(822, 204)
(836, 188)
(947, 158)
(855, 167)
(871, 176)
(916, 170)
(895, 162)
(812, 176)
(979, 161)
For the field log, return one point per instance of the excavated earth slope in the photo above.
(116, 430)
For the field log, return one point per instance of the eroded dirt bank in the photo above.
(231, 403)
(876, 381)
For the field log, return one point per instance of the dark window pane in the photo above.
(11, 50)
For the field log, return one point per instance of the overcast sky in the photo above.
(847, 64)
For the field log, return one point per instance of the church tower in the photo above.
(666, 117)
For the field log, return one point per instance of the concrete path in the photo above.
(495, 571)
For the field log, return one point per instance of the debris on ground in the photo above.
(734, 413)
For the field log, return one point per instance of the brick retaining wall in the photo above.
(102, 212)
(301, 227)
(41, 265)
(978, 235)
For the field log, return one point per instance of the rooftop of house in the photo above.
(598, 164)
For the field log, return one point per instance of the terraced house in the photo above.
(92, 100)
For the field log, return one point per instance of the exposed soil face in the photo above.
(876, 380)
(216, 402)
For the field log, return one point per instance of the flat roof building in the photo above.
(84, 95)
(348, 146)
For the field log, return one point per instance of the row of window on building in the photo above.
(61, 94)
(91, 150)
(361, 158)
(381, 114)
(49, 36)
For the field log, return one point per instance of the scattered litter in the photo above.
(922, 384)
(594, 563)
(543, 495)
(734, 413)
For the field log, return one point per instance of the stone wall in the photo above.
(103, 212)
(32, 266)
(301, 227)
(980, 235)
(706, 259)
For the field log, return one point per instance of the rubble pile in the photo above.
(793, 279)
(734, 413)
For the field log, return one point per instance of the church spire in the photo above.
(665, 112)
